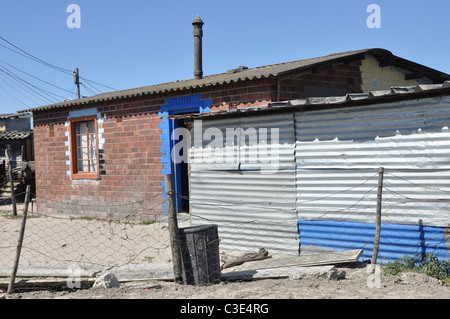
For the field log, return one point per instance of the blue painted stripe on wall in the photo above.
(396, 240)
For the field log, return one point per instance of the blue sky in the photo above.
(128, 44)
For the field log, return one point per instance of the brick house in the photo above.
(105, 155)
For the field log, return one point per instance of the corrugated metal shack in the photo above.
(301, 175)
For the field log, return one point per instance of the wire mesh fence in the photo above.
(55, 245)
(341, 230)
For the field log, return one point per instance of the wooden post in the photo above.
(173, 228)
(11, 179)
(376, 244)
(20, 241)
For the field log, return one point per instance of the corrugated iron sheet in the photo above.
(396, 240)
(251, 208)
(15, 135)
(252, 202)
(338, 153)
(337, 156)
(262, 142)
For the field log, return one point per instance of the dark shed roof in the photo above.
(15, 135)
(242, 73)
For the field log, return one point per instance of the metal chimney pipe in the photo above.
(198, 34)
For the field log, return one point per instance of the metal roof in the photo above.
(15, 115)
(243, 74)
(15, 135)
(350, 99)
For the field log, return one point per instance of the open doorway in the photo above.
(181, 176)
(180, 170)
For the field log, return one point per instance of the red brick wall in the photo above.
(242, 94)
(335, 79)
(131, 178)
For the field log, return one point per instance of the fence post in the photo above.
(11, 179)
(20, 241)
(173, 228)
(376, 244)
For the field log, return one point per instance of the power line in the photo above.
(87, 82)
(58, 87)
(88, 89)
(32, 57)
(14, 97)
(20, 79)
(6, 80)
(55, 67)
(98, 83)
(30, 86)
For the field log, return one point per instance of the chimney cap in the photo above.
(198, 21)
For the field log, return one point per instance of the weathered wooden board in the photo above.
(273, 273)
(319, 259)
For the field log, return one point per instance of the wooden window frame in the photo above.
(75, 174)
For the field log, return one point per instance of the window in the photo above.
(84, 150)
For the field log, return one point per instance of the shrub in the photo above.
(427, 263)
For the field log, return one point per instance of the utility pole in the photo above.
(76, 80)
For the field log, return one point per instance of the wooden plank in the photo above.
(48, 282)
(274, 273)
(260, 255)
(319, 259)
(130, 272)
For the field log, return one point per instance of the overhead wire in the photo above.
(47, 95)
(34, 77)
(88, 83)
(72, 92)
(14, 97)
(6, 80)
(43, 98)
(83, 78)
(88, 89)
(43, 93)
(32, 57)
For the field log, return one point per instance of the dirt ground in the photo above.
(55, 235)
(357, 284)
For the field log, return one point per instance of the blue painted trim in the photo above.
(396, 240)
(176, 105)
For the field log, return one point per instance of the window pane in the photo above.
(81, 128)
(92, 140)
(93, 164)
(82, 153)
(83, 166)
(91, 126)
(92, 153)
(82, 141)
